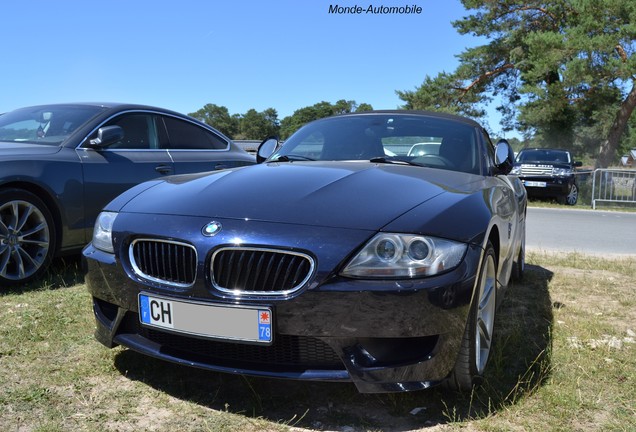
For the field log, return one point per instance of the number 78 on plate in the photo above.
(264, 325)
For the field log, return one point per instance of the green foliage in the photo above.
(258, 125)
(443, 93)
(251, 125)
(364, 107)
(218, 117)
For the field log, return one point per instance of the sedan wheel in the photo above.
(26, 236)
(478, 336)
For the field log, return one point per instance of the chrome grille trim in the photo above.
(259, 271)
(164, 261)
(536, 170)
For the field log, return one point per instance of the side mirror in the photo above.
(267, 148)
(106, 136)
(504, 157)
(578, 164)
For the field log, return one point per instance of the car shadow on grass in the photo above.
(62, 273)
(520, 363)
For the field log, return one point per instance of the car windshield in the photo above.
(48, 125)
(543, 155)
(387, 138)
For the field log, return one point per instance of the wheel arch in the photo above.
(493, 238)
(48, 200)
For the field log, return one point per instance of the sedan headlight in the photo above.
(103, 232)
(404, 255)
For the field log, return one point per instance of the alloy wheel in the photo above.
(485, 315)
(24, 240)
(573, 195)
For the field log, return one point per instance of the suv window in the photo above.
(539, 155)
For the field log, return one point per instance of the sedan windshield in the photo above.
(49, 125)
(386, 138)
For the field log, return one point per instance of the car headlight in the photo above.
(404, 255)
(561, 172)
(103, 232)
(516, 170)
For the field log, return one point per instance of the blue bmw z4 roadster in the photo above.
(370, 248)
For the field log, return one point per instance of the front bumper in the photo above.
(547, 186)
(383, 336)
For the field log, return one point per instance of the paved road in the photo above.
(586, 231)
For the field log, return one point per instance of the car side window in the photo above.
(183, 135)
(139, 132)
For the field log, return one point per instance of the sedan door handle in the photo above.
(220, 166)
(164, 169)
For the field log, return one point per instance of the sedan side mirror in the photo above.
(267, 148)
(504, 157)
(106, 136)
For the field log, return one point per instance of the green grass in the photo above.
(563, 360)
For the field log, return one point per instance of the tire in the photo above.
(573, 195)
(27, 237)
(478, 336)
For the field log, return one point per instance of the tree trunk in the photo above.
(607, 152)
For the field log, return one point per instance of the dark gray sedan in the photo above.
(60, 164)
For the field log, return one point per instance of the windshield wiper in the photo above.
(385, 160)
(291, 157)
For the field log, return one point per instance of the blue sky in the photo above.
(242, 54)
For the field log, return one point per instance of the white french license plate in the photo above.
(240, 323)
(534, 183)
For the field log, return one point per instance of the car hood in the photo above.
(10, 150)
(355, 195)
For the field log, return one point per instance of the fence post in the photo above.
(593, 189)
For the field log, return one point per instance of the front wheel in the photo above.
(478, 336)
(27, 236)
